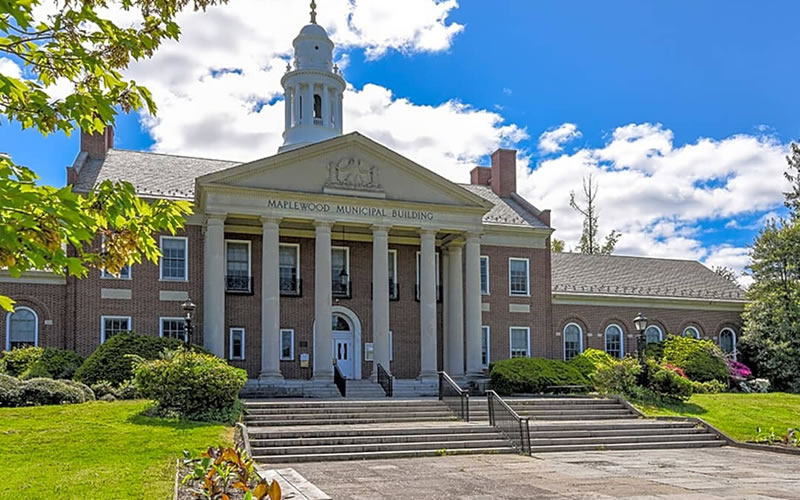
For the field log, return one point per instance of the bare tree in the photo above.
(589, 238)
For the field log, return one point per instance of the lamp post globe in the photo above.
(188, 314)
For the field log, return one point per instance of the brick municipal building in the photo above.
(338, 249)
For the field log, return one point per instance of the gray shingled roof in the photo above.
(152, 174)
(622, 275)
(505, 210)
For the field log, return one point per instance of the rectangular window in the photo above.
(174, 261)
(111, 325)
(237, 266)
(518, 276)
(394, 288)
(174, 328)
(520, 341)
(484, 275)
(436, 278)
(287, 344)
(124, 274)
(290, 269)
(340, 271)
(485, 343)
(236, 348)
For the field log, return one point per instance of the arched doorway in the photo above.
(342, 337)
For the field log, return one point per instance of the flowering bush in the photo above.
(738, 371)
(675, 369)
(755, 385)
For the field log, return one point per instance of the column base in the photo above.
(323, 377)
(270, 376)
(428, 377)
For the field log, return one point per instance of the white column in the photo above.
(427, 304)
(287, 118)
(296, 105)
(473, 310)
(455, 319)
(444, 269)
(323, 355)
(308, 105)
(214, 285)
(339, 112)
(270, 300)
(326, 107)
(380, 298)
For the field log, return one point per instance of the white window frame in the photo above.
(527, 292)
(170, 318)
(487, 332)
(488, 275)
(103, 325)
(346, 267)
(660, 333)
(185, 258)
(249, 256)
(621, 339)
(564, 339)
(231, 331)
(296, 247)
(510, 338)
(733, 337)
(108, 276)
(696, 330)
(290, 358)
(35, 326)
(437, 277)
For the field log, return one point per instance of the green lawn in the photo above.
(95, 450)
(738, 415)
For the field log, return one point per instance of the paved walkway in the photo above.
(675, 474)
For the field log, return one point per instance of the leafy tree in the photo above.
(771, 336)
(590, 240)
(727, 273)
(43, 227)
(557, 245)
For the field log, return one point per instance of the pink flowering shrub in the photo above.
(675, 369)
(739, 371)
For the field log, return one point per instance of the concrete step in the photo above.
(351, 421)
(607, 440)
(616, 432)
(544, 413)
(342, 403)
(496, 442)
(377, 409)
(630, 446)
(372, 431)
(348, 414)
(327, 457)
(380, 439)
(620, 424)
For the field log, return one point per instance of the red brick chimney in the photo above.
(97, 145)
(480, 176)
(504, 172)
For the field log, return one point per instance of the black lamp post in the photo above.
(640, 322)
(344, 279)
(188, 310)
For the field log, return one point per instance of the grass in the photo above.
(96, 450)
(738, 415)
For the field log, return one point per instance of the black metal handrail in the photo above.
(456, 398)
(235, 283)
(507, 421)
(385, 380)
(339, 380)
(291, 287)
(338, 289)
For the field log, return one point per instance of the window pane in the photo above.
(614, 341)
(22, 329)
(173, 258)
(124, 273)
(726, 341)
(286, 344)
(288, 269)
(572, 341)
(691, 332)
(519, 342)
(518, 274)
(113, 326)
(652, 334)
(484, 275)
(237, 344)
(238, 259)
(485, 345)
(173, 328)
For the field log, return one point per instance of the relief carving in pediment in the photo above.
(353, 174)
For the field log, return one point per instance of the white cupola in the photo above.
(312, 89)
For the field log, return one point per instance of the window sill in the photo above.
(173, 280)
(519, 295)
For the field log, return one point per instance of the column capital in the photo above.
(427, 232)
(472, 235)
(322, 225)
(213, 219)
(456, 244)
(269, 220)
(376, 228)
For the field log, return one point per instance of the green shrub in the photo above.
(617, 377)
(654, 350)
(16, 361)
(127, 390)
(711, 387)
(701, 360)
(193, 385)
(590, 360)
(47, 391)
(102, 388)
(111, 361)
(532, 375)
(9, 390)
(668, 384)
(107, 397)
(54, 363)
(88, 393)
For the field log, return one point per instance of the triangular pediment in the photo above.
(350, 165)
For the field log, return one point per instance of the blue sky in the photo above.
(678, 72)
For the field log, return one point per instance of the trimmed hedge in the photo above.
(590, 360)
(9, 390)
(88, 393)
(54, 363)
(191, 385)
(701, 360)
(47, 391)
(532, 375)
(669, 384)
(110, 362)
(16, 361)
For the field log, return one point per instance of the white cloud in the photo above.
(9, 68)
(552, 141)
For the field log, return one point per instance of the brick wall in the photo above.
(49, 304)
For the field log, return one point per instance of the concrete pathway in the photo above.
(709, 473)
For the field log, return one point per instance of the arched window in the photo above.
(691, 331)
(727, 341)
(317, 106)
(653, 334)
(339, 324)
(573, 341)
(614, 341)
(22, 328)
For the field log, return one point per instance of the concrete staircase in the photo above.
(584, 424)
(323, 430)
(364, 389)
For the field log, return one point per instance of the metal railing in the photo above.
(235, 283)
(339, 380)
(507, 421)
(385, 380)
(342, 290)
(291, 287)
(456, 398)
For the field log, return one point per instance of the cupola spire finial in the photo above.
(313, 12)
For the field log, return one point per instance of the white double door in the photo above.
(343, 352)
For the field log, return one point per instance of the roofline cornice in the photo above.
(644, 301)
